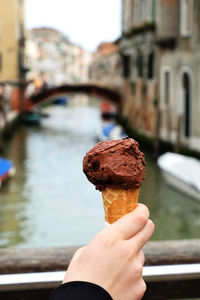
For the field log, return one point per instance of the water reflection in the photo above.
(51, 203)
(12, 203)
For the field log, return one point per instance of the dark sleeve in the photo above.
(79, 290)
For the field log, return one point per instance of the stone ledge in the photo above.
(58, 258)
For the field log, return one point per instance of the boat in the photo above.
(110, 131)
(32, 118)
(60, 101)
(181, 172)
(7, 169)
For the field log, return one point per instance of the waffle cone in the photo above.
(118, 202)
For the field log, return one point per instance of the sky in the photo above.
(85, 22)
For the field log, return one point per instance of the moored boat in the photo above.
(32, 118)
(7, 169)
(60, 101)
(181, 172)
(110, 131)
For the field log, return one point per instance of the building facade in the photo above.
(179, 74)
(137, 49)
(106, 64)
(12, 39)
(161, 68)
(50, 56)
(12, 44)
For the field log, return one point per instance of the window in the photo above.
(140, 65)
(166, 87)
(143, 8)
(136, 13)
(150, 11)
(186, 17)
(150, 70)
(125, 15)
(186, 102)
(20, 64)
(129, 15)
(126, 62)
(132, 13)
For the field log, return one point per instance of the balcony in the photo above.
(141, 29)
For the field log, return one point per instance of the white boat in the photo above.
(181, 172)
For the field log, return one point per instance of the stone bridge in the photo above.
(98, 90)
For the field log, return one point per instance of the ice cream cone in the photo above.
(118, 202)
(117, 169)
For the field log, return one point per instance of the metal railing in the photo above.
(25, 281)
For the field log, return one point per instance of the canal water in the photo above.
(49, 202)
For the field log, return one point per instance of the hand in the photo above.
(114, 258)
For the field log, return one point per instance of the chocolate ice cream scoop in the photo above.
(115, 164)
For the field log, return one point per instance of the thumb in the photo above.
(133, 222)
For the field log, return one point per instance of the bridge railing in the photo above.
(172, 270)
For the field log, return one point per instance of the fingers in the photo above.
(136, 275)
(137, 263)
(140, 239)
(141, 289)
(130, 224)
(73, 261)
(78, 252)
(140, 257)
